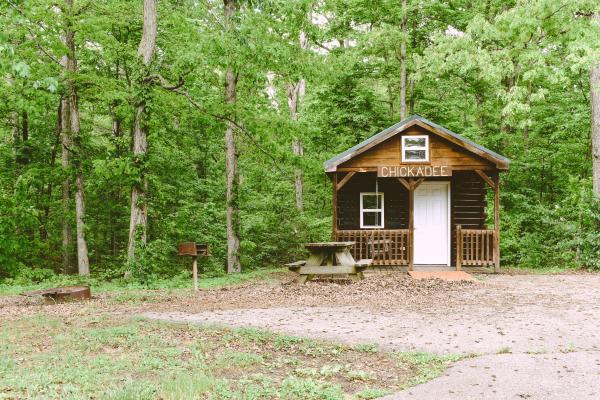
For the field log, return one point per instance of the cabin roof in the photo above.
(500, 161)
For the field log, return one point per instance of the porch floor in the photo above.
(427, 268)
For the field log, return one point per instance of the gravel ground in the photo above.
(550, 323)
(515, 376)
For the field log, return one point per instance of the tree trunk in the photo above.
(138, 222)
(295, 92)
(403, 63)
(71, 127)
(65, 140)
(595, 105)
(233, 241)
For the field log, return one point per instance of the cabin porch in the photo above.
(470, 244)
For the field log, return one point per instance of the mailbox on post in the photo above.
(194, 250)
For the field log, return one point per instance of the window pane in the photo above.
(372, 218)
(371, 201)
(414, 142)
(414, 154)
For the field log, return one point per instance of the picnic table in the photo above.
(329, 258)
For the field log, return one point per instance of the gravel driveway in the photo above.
(550, 325)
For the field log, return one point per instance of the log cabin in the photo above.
(415, 196)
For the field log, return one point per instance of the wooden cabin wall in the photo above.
(468, 204)
(467, 195)
(442, 152)
(395, 201)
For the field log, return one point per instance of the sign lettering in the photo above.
(414, 171)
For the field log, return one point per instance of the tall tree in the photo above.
(403, 62)
(138, 224)
(232, 177)
(71, 139)
(295, 92)
(595, 104)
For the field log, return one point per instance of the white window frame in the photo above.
(363, 210)
(426, 148)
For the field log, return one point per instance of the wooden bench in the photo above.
(307, 272)
(364, 263)
(295, 266)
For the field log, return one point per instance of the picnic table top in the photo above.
(328, 245)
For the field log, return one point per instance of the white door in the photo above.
(431, 223)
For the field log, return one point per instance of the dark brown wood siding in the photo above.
(395, 201)
(467, 193)
(468, 204)
(442, 152)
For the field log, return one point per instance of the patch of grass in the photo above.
(183, 387)
(234, 279)
(104, 356)
(551, 270)
(360, 375)
(504, 350)
(537, 351)
(100, 284)
(372, 393)
(238, 360)
(366, 348)
(89, 351)
(428, 366)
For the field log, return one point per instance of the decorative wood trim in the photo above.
(404, 183)
(334, 205)
(415, 183)
(411, 227)
(458, 248)
(497, 223)
(345, 180)
(486, 178)
(357, 169)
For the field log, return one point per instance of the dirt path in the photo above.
(551, 324)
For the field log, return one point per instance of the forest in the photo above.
(127, 127)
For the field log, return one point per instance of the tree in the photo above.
(295, 92)
(595, 107)
(71, 138)
(139, 207)
(403, 41)
(232, 177)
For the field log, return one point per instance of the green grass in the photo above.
(93, 353)
(100, 285)
(428, 366)
(552, 270)
(106, 357)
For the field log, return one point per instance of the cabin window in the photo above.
(415, 148)
(371, 210)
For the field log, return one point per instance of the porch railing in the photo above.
(475, 247)
(384, 246)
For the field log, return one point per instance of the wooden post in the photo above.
(413, 184)
(334, 211)
(411, 227)
(497, 223)
(195, 271)
(458, 248)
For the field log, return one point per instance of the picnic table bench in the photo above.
(329, 258)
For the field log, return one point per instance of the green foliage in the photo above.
(513, 76)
